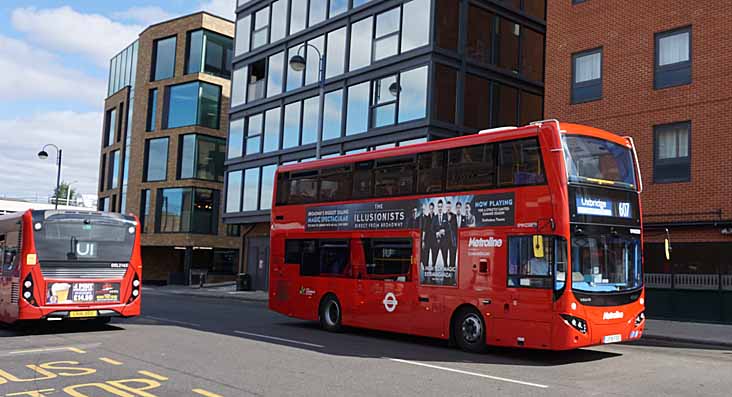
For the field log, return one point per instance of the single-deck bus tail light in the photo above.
(136, 284)
(28, 290)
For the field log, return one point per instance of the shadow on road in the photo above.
(29, 328)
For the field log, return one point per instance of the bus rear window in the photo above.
(592, 160)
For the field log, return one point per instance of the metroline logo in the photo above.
(480, 242)
(613, 315)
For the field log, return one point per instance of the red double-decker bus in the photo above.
(59, 265)
(526, 237)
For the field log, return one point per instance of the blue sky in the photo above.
(53, 58)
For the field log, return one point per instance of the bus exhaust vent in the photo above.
(14, 293)
(84, 273)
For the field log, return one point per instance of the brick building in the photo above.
(163, 145)
(659, 72)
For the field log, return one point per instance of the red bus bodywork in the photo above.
(15, 306)
(513, 316)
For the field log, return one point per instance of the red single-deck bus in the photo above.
(526, 237)
(69, 265)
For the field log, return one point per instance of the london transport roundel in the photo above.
(390, 302)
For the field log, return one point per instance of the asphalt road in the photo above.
(190, 346)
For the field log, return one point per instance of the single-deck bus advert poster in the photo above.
(438, 218)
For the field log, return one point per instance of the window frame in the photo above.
(146, 162)
(659, 71)
(179, 165)
(589, 83)
(155, 57)
(165, 121)
(216, 197)
(549, 255)
(658, 164)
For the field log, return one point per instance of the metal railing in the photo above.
(727, 282)
(658, 280)
(704, 281)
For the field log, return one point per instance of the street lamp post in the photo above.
(44, 155)
(297, 63)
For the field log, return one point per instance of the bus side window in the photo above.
(388, 259)
(363, 180)
(525, 269)
(431, 168)
(293, 251)
(519, 163)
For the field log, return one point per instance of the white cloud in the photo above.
(146, 15)
(77, 134)
(31, 73)
(65, 30)
(222, 8)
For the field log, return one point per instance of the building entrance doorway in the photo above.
(258, 262)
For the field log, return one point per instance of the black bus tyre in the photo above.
(330, 314)
(469, 330)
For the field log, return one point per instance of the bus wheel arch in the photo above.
(330, 313)
(468, 329)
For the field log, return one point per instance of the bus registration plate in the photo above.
(83, 313)
(612, 338)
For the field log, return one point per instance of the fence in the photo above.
(689, 281)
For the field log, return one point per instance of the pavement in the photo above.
(662, 330)
(192, 345)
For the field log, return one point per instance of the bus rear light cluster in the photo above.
(28, 290)
(575, 322)
(639, 320)
(135, 289)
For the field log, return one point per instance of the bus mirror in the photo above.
(538, 246)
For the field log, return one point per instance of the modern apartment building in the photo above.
(659, 72)
(163, 146)
(394, 72)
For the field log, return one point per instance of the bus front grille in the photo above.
(14, 292)
(83, 273)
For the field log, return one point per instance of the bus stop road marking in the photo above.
(46, 350)
(153, 375)
(206, 393)
(279, 339)
(110, 361)
(167, 320)
(498, 378)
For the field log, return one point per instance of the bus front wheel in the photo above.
(469, 330)
(330, 314)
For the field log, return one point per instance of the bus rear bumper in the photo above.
(52, 313)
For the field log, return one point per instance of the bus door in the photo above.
(9, 283)
(527, 303)
(387, 291)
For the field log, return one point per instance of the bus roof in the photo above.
(487, 136)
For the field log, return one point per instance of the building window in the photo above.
(672, 156)
(209, 52)
(111, 127)
(413, 94)
(448, 23)
(103, 204)
(505, 105)
(476, 102)
(386, 39)
(260, 33)
(156, 159)
(243, 34)
(279, 20)
(384, 101)
(194, 103)
(312, 62)
(250, 197)
(256, 80)
(275, 74)
(507, 44)
(318, 12)
(236, 139)
(310, 120)
(145, 225)
(337, 7)
(152, 110)
(361, 34)
(480, 34)
(531, 108)
(357, 114)
(587, 76)
(294, 77)
(265, 198)
(254, 134)
(291, 135)
(332, 115)
(532, 54)
(415, 24)
(113, 172)
(164, 58)
(201, 157)
(271, 130)
(298, 15)
(673, 58)
(233, 191)
(187, 210)
(336, 59)
(239, 86)
(102, 172)
(445, 93)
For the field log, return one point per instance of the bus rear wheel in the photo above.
(330, 314)
(469, 330)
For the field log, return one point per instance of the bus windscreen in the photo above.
(597, 161)
(84, 238)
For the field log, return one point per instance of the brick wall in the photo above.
(631, 106)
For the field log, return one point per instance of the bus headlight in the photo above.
(639, 320)
(575, 322)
